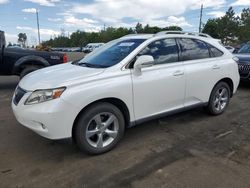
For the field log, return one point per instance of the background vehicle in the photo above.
(91, 47)
(128, 81)
(19, 61)
(244, 62)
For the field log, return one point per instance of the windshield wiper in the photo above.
(92, 65)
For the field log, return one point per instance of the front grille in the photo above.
(244, 69)
(19, 93)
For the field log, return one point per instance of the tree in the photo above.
(149, 29)
(244, 26)
(139, 28)
(228, 27)
(22, 38)
(211, 28)
(81, 38)
(225, 28)
(173, 28)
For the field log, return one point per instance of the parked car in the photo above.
(126, 82)
(76, 49)
(91, 47)
(20, 61)
(244, 62)
(230, 48)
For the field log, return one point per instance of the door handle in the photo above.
(178, 73)
(215, 67)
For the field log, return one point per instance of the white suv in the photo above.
(126, 82)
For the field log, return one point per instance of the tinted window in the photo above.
(163, 51)
(193, 49)
(245, 49)
(111, 53)
(214, 51)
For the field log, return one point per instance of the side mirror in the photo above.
(142, 62)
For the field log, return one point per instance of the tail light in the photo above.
(65, 58)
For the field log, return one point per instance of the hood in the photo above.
(243, 58)
(58, 76)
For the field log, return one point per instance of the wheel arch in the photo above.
(230, 83)
(121, 105)
(31, 60)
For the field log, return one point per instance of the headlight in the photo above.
(40, 96)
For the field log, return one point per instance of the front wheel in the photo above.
(99, 128)
(219, 99)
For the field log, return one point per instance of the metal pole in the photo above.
(201, 13)
(38, 27)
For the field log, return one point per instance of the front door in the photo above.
(160, 88)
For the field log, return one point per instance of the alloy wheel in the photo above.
(221, 99)
(102, 130)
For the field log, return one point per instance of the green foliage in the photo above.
(228, 27)
(231, 29)
(22, 38)
(139, 28)
(82, 38)
(211, 28)
(244, 28)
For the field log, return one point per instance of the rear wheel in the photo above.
(28, 70)
(219, 99)
(99, 128)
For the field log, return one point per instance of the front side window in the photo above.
(163, 51)
(110, 54)
(192, 49)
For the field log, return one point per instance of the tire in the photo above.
(28, 70)
(219, 99)
(99, 128)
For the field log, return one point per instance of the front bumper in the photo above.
(245, 79)
(244, 70)
(52, 119)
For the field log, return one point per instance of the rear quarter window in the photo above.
(214, 51)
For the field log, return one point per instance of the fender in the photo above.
(29, 58)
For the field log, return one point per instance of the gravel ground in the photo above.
(190, 149)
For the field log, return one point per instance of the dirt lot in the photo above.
(190, 149)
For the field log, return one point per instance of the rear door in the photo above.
(160, 88)
(202, 70)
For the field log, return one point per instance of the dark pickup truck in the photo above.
(19, 61)
(244, 62)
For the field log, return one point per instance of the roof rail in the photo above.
(183, 33)
(136, 34)
(130, 35)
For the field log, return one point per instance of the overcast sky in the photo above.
(90, 15)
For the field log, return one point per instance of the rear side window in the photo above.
(163, 51)
(192, 49)
(214, 51)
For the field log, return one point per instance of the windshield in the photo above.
(245, 49)
(111, 53)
